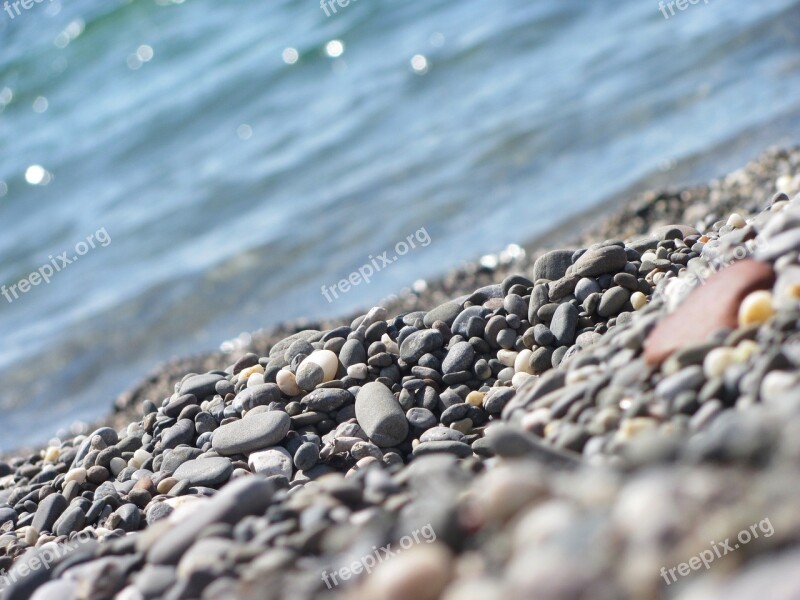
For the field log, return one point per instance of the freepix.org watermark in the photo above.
(366, 563)
(365, 273)
(46, 557)
(329, 6)
(57, 264)
(12, 7)
(681, 5)
(717, 550)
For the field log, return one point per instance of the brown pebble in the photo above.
(97, 475)
(709, 308)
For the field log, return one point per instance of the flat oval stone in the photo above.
(251, 433)
(419, 343)
(258, 395)
(200, 386)
(460, 449)
(380, 415)
(207, 472)
(606, 259)
(180, 433)
(612, 301)
(327, 399)
(446, 312)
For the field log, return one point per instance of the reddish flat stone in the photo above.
(709, 308)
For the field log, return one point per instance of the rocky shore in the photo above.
(607, 419)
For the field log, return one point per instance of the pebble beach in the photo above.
(599, 413)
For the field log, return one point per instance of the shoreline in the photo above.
(639, 211)
(638, 391)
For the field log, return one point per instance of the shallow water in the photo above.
(234, 183)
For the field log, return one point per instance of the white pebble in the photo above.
(77, 475)
(255, 379)
(287, 383)
(507, 357)
(359, 371)
(523, 363)
(638, 300)
(737, 221)
(246, 373)
(117, 465)
(519, 379)
(717, 361)
(52, 454)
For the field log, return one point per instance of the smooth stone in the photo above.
(309, 375)
(585, 287)
(459, 449)
(176, 457)
(688, 379)
(612, 301)
(207, 472)
(442, 434)
(325, 359)
(180, 433)
(306, 456)
(598, 261)
(446, 313)
(380, 415)
(58, 589)
(327, 399)
(563, 324)
(461, 322)
(8, 514)
(251, 433)
(272, 461)
(420, 343)
(460, 357)
(259, 395)
(421, 418)
(553, 265)
(240, 498)
(174, 408)
(352, 353)
(49, 510)
(542, 335)
(707, 309)
(200, 386)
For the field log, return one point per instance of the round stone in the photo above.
(756, 308)
(309, 375)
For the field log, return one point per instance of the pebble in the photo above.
(708, 309)
(380, 415)
(199, 386)
(606, 259)
(563, 324)
(207, 472)
(553, 265)
(756, 308)
(270, 462)
(251, 433)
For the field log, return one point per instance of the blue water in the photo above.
(234, 183)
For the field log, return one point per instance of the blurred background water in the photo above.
(242, 154)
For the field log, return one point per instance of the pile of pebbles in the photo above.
(612, 409)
